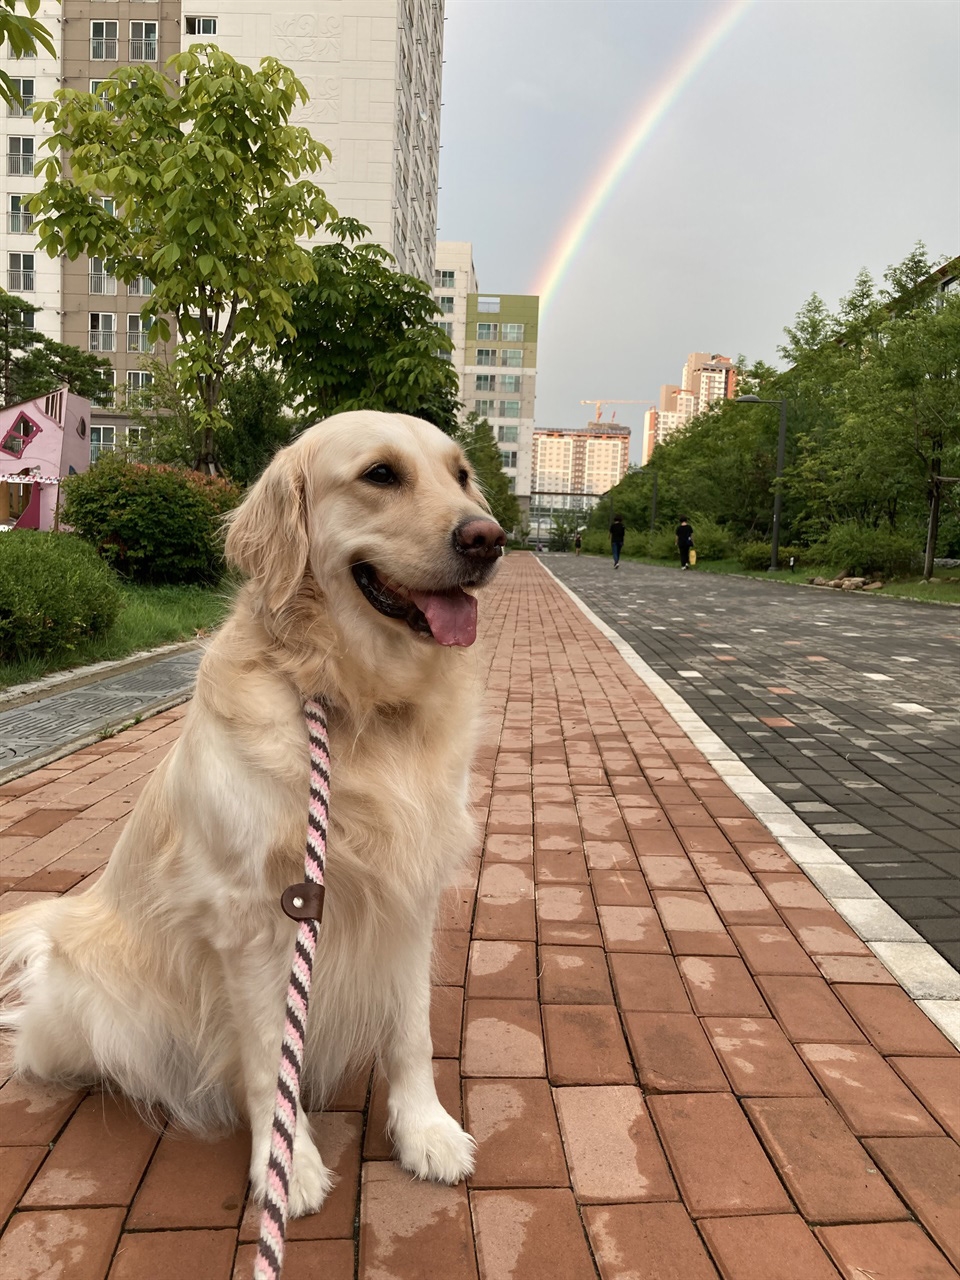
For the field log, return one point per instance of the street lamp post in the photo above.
(778, 491)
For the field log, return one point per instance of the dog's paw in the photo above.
(439, 1150)
(311, 1181)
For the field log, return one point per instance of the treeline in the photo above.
(873, 432)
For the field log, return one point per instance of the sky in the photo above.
(785, 144)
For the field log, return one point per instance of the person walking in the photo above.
(577, 542)
(684, 541)
(617, 534)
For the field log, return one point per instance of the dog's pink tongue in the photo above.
(452, 617)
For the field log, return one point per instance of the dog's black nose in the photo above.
(479, 539)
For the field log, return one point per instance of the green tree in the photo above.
(480, 445)
(31, 364)
(564, 525)
(22, 35)
(364, 336)
(206, 195)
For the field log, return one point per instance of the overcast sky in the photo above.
(821, 136)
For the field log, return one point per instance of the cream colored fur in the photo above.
(167, 978)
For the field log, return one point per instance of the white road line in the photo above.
(875, 675)
(913, 708)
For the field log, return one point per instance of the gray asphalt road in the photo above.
(846, 706)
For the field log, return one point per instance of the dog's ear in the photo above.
(267, 534)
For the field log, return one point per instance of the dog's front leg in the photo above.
(429, 1142)
(256, 978)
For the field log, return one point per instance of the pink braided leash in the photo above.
(302, 902)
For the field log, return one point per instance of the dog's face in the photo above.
(384, 510)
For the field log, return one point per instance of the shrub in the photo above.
(711, 540)
(153, 524)
(756, 555)
(54, 592)
(662, 545)
(862, 550)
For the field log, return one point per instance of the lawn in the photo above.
(151, 616)
(944, 589)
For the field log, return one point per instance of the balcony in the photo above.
(19, 222)
(141, 287)
(143, 50)
(103, 49)
(103, 340)
(19, 166)
(102, 283)
(139, 343)
(15, 109)
(21, 281)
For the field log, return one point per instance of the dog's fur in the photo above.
(167, 978)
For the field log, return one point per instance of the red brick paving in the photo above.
(678, 1061)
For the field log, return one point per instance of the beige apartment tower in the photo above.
(571, 468)
(705, 379)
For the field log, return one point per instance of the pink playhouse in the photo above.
(41, 441)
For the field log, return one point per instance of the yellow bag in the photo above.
(693, 556)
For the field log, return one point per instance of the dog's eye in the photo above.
(463, 477)
(381, 474)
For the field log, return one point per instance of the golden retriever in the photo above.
(360, 544)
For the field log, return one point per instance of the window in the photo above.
(140, 287)
(508, 457)
(138, 336)
(446, 305)
(137, 442)
(102, 440)
(509, 409)
(25, 88)
(103, 331)
(101, 279)
(201, 26)
(19, 436)
(138, 383)
(512, 332)
(19, 219)
(108, 204)
(103, 41)
(20, 273)
(20, 157)
(444, 279)
(509, 382)
(511, 359)
(103, 102)
(486, 356)
(488, 306)
(486, 331)
(483, 408)
(485, 382)
(107, 394)
(143, 42)
(508, 435)
(28, 319)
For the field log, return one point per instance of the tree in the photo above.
(193, 179)
(364, 336)
(22, 34)
(479, 444)
(31, 364)
(564, 525)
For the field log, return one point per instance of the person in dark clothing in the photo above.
(684, 541)
(577, 542)
(617, 534)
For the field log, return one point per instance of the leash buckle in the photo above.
(303, 901)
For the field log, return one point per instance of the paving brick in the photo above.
(807, 1009)
(412, 1228)
(892, 1021)
(515, 1127)
(604, 855)
(450, 948)
(672, 1053)
(192, 1183)
(648, 983)
(742, 904)
(854, 969)
(446, 1014)
(505, 908)
(533, 1234)
(632, 929)
(721, 985)
(502, 970)
(646, 1242)
(758, 1058)
(574, 975)
(17, 1167)
(377, 1144)
(926, 1173)
(867, 1093)
(759, 1248)
(508, 848)
(620, 888)
(793, 891)
(771, 949)
(76, 1244)
(823, 932)
(884, 1251)
(612, 1149)
(827, 1171)
(936, 1082)
(329, 1259)
(670, 873)
(154, 1255)
(502, 1038)
(719, 1165)
(33, 1112)
(585, 1045)
(561, 866)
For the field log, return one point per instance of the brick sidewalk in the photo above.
(677, 1059)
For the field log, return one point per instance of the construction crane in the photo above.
(600, 403)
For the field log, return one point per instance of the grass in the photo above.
(944, 588)
(151, 616)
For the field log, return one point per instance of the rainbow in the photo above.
(604, 182)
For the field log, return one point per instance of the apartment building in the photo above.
(705, 379)
(572, 467)
(372, 69)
